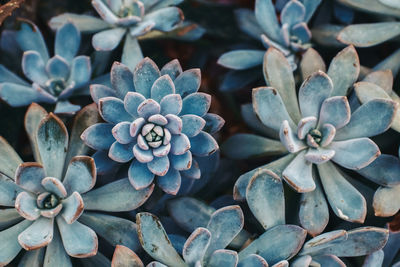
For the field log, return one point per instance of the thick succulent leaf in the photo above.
(8, 191)
(311, 62)
(99, 260)
(132, 101)
(371, 6)
(270, 108)
(81, 71)
(33, 67)
(131, 53)
(121, 153)
(57, 67)
(121, 80)
(165, 19)
(224, 225)
(9, 92)
(68, 39)
(278, 74)
(188, 82)
(196, 245)
(9, 217)
(223, 257)
(303, 261)
(145, 74)
(189, 213)
(298, 174)
(362, 124)
(289, 138)
(374, 259)
(277, 166)
(29, 37)
(32, 258)
(247, 22)
(192, 125)
(162, 87)
(33, 116)
(159, 165)
(98, 136)
(347, 203)
(9, 159)
(316, 244)
(8, 76)
(72, 207)
(214, 123)
(55, 252)
(390, 63)
(196, 104)
(383, 171)
(80, 175)
(313, 92)
(369, 34)
(104, 198)
(108, 39)
(381, 78)
(253, 260)
(253, 146)
(289, 240)
(79, 240)
(344, 70)
(311, 6)
(335, 111)
(355, 154)
(267, 19)
(123, 256)
(265, 198)
(29, 176)
(52, 140)
(314, 212)
(37, 235)
(10, 249)
(84, 23)
(26, 206)
(170, 183)
(172, 68)
(155, 241)
(360, 241)
(113, 111)
(387, 201)
(292, 13)
(328, 260)
(139, 175)
(242, 59)
(113, 229)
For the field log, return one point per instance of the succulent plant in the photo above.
(204, 247)
(265, 197)
(51, 80)
(370, 34)
(129, 18)
(318, 130)
(289, 36)
(157, 121)
(49, 203)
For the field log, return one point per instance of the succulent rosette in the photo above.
(47, 203)
(289, 35)
(319, 131)
(130, 19)
(157, 121)
(51, 80)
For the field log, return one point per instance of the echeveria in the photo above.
(319, 131)
(51, 80)
(49, 203)
(204, 247)
(289, 36)
(282, 242)
(157, 121)
(129, 18)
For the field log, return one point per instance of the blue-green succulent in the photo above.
(129, 19)
(51, 80)
(50, 209)
(156, 120)
(290, 34)
(317, 131)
